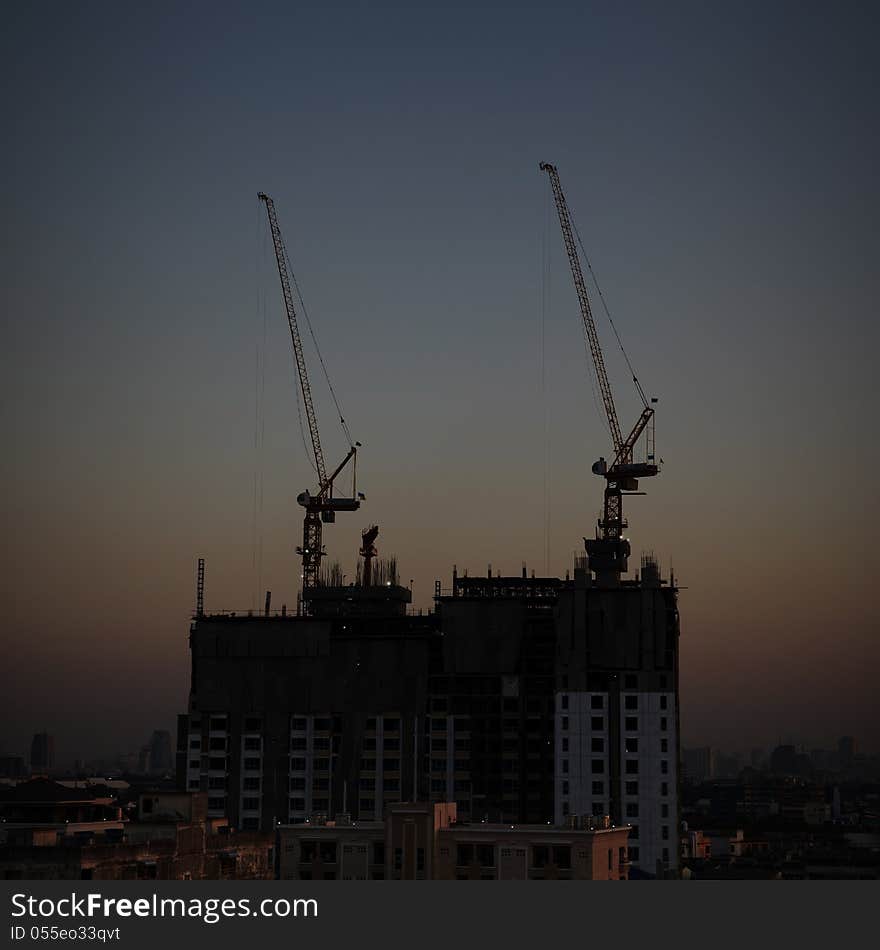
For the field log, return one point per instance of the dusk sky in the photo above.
(721, 164)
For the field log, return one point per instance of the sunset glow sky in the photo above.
(720, 161)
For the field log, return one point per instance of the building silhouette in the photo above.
(42, 752)
(520, 699)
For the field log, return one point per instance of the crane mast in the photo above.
(609, 550)
(322, 506)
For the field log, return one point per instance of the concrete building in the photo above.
(423, 841)
(522, 700)
(50, 831)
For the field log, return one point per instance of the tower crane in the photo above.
(609, 550)
(321, 507)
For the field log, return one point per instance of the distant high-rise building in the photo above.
(846, 751)
(699, 764)
(160, 757)
(42, 752)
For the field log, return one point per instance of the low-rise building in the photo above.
(423, 841)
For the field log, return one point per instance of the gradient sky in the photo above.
(721, 163)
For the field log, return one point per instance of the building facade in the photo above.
(521, 700)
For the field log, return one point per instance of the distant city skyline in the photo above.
(721, 166)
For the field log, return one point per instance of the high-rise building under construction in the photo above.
(522, 699)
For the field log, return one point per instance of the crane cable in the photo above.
(305, 313)
(635, 378)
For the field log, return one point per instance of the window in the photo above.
(322, 725)
(378, 852)
(371, 724)
(320, 804)
(631, 723)
(217, 804)
(631, 681)
(597, 723)
(438, 784)
(597, 766)
(217, 783)
(564, 745)
(219, 764)
(664, 766)
(464, 854)
(632, 810)
(367, 783)
(391, 724)
(438, 765)
(297, 765)
(664, 810)
(562, 857)
(564, 701)
(597, 745)
(391, 785)
(632, 788)
(298, 724)
(195, 763)
(631, 702)
(369, 745)
(195, 743)
(664, 788)
(250, 804)
(486, 855)
(540, 856)
(251, 784)
(598, 808)
(252, 744)
(391, 765)
(297, 783)
(634, 854)
(664, 745)
(194, 784)
(662, 682)
(297, 743)
(610, 858)
(663, 702)
(666, 855)
(663, 724)
(420, 859)
(597, 702)
(367, 806)
(252, 765)
(631, 745)
(634, 832)
(322, 743)
(321, 784)
(322, 765)
(368, 765)
(565, 766)
(632, 766)
(217, 745)
(598, 788)
(664, 832)
(565, 788)
(565, 722)
(297, 804)
(438, 745)
(218, 723)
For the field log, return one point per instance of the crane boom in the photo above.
(306, 389)
(584, 301)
